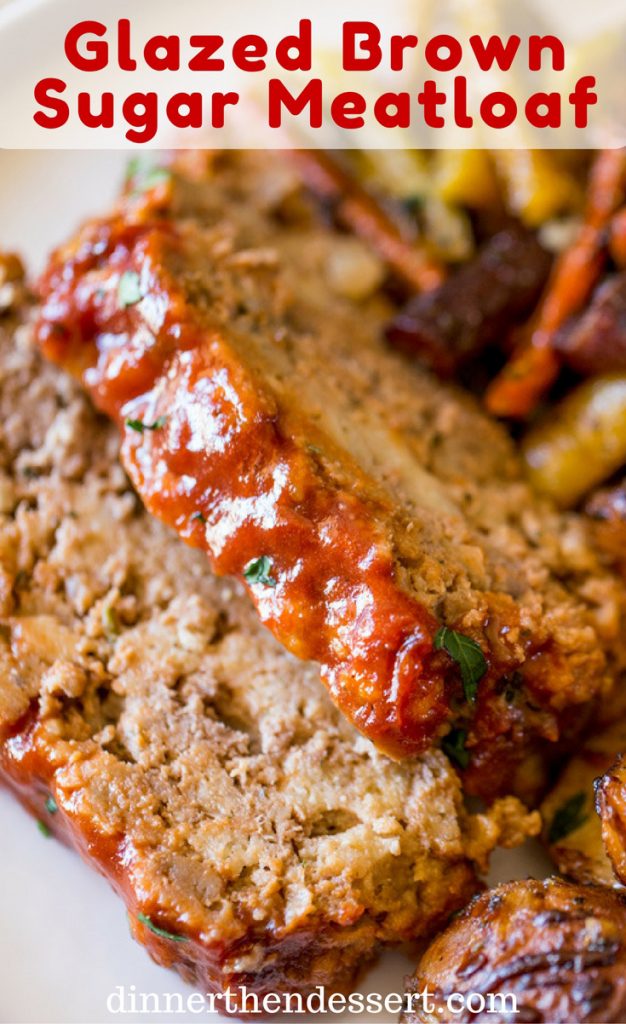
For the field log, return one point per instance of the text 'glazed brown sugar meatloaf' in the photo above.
(148, 718)
(366, 505)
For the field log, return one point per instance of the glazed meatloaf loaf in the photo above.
(378, 518)
(148, 718)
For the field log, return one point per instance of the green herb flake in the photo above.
(140, 426)
(414, 204)
(133, 168)
(453, 745)
(43, 828)
(129, 289)
(468, 655)
(258, 571)
(154, 177)
(110, 622)
(144, 176)
(51, 805)
(160, 931)
(198, 517)
(569, 817)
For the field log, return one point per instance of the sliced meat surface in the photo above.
(148, 719)
(365, 506)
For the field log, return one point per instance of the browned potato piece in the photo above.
(581, 442)
(527, 951)
(607, 515)
(572, 830)
(611, 805)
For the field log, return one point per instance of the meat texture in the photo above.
(149, 720)
(365, 506)
(547, 951)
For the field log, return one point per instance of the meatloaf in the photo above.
(379, 520)
(147, 718)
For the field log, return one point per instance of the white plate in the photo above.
(65, 944)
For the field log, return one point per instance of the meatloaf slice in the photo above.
(147, 718)
(365, 505)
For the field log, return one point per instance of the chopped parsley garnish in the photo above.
(51, 805)
(155, 176)
(144, 176)
(199, 517)
(160, 931)
(129, 289)
(414, 204)
(454, 746)
(258, 571)
(569, 817)
(43, 828)
(468, 655)
(110, 621)
(140, 426)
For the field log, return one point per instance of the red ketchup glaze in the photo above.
(32, 769)
(227, 475)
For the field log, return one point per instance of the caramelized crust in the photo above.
(611, 805)
(148, 719)
(557, 949)
(263, 418)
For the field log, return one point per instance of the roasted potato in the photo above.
(527, 951)
(581, 442)
(606, 510)
(611, 806)
(572, 830)
(537, 186)
(466, 177)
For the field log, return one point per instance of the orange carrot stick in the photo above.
(520, 385)
(357, 210)
(617, 243)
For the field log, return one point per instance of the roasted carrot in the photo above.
(520, 385)
(357, 210)
(617, 241)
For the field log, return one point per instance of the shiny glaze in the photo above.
(224, 454)
(32, 770)
(236, 475)
(557, 949)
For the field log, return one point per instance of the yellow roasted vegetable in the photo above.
(401, 173)
(572, 830)
(465, 177)
(408, 176)
(581, 442)
(537, 186)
